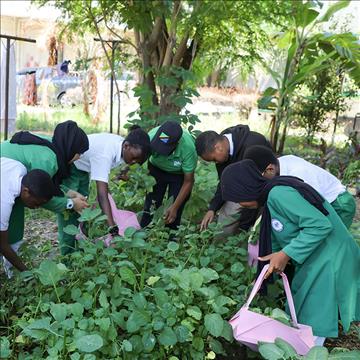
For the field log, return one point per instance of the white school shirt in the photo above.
(11, 174)
(103, 155)
(231, 142)
(321, 180)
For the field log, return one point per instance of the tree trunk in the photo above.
(282, 140)
(309, 136)
(336, 120)
(285, 120)
(272, 128)
(215, 78)
(167, 105)
(276, 132)
(85, 96)
(341, 78)
(278, 120)
(149, 78)
(323, 149)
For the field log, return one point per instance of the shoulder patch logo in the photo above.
(277, 225)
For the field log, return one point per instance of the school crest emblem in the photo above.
(277, 225)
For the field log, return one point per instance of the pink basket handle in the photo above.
(289, 297)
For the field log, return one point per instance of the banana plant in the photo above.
(306, 53)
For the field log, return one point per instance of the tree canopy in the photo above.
(168, 34)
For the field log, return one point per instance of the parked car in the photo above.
(49, 81)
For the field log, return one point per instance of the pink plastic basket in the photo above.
(122, 218)
(253, 254)
(250, 328)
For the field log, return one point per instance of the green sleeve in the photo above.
(72, 181)
(190, 160)
(56, 204)
(78, 181)
(64, 188)
(152, 132)
(275, 246)
(314, 227)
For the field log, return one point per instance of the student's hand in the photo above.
(123, 177)
(277, 264)
(71, 194)
(123, 174)
(79, 204)
(170, 214)
(207, 219)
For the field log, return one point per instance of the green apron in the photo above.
(326, 282)
(78, 181)
(345, 206)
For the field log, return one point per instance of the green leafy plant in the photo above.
(281, 350)
(352, 173)
(144, 295)
(131, 194)
(181, 82)
(318, 97)
(307, 53)
(276, 314)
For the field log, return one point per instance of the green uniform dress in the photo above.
(33, 157)
(77, 181)
(326, 258)
(345, 206)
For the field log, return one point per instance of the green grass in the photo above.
(221, 121)
(36, 119)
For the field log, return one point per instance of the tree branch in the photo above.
(137, 38)
(171, 42)
(121, 39)
(153, 38)
(181, 49)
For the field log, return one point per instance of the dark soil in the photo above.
(351, 340)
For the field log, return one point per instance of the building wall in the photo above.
(33, 54)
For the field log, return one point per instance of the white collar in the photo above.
(231, 149)
(119, 157)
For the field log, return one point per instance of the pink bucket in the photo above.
(250, 328)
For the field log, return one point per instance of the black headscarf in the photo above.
(261, 155)
(67, 141)
(242, 181)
